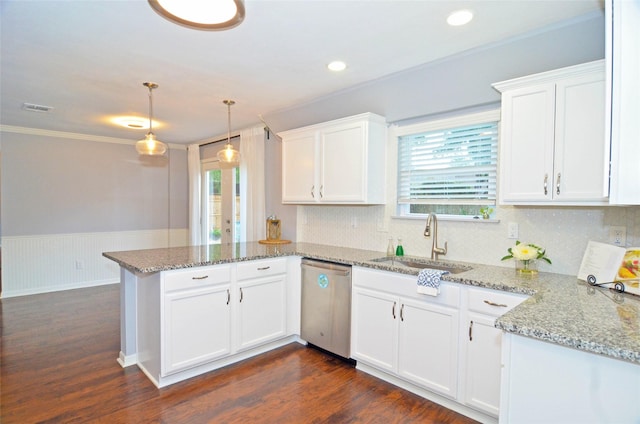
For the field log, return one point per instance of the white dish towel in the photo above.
(429, 281)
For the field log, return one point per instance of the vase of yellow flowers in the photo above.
(526, 257)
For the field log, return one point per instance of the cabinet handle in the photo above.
(263, 268)
(241, 295)
(558, 184)
(313, 188)
(200, 278)
(402, 313)
(470, 330)
(501, 305)
(546, 181)
(321, 195)
(393, 310)
(228, 296)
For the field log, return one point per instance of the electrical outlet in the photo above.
(79, 265)
(512, 230)
(618, 235)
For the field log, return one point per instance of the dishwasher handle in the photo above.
(333, 268)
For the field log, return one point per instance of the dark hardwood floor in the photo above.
(59, 350)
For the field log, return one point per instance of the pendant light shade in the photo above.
(150, 145)
(208, 15)
(229, 157)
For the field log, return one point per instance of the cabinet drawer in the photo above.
(405, 285)
(196, 277)
(492, 302)
(261, 268)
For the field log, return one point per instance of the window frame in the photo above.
(492, 115)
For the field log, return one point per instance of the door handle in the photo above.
(558, 184)
(402, 313)
(313, 188)
(393, 310)
(228, 296)
(470, 330)
(546, 180)
(241, 295)
(502, 305)
(264, 268)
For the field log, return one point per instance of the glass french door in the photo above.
(220, 203)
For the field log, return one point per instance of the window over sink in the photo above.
(448, 166)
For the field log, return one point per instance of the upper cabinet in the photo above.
(623, 101)
(336, 162)
(553, 144)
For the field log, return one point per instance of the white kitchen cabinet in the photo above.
(262, 302)
(623, 99)
(553, 145)
(412, 336)
(482, 353)
(337, 162)
(197, 317)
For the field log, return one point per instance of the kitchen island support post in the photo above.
(128, 301)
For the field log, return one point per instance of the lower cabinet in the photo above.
(414, 338)
(445, 344)
(262, 302)
(211, 313)
(482, 356)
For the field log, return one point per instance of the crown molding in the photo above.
(75, 136)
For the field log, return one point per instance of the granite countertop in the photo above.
(561, 310)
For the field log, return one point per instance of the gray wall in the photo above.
(457, 82)
(57, 186)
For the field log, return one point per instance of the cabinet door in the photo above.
(261, 311)
(580, 139)
(298, 169)
(526, 154)
(197, 327)
(343, 163)
(483, 364)
(374, 328)
(428, 346)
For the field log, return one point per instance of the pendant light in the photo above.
(210, 15)
(229, 157)
(150, 145)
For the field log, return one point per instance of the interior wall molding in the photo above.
(76, 136)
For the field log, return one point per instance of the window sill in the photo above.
(454, 218)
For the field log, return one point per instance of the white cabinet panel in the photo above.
(428, 346)
(553, 143)
(336, 162)
(196, 327)
(261, 311)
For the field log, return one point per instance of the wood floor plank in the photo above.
(58, 364)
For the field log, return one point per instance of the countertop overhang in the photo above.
(561, 309)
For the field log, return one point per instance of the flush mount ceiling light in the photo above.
(460, 17)
(337, 66)
(208, 15)
(229, 157)
(149, 145)
(134, 122)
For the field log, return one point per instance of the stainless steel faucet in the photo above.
(432, 223)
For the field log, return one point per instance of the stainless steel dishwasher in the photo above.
(326, 306)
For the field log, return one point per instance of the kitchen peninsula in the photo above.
(564, 324)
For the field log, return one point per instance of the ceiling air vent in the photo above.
(36, 108)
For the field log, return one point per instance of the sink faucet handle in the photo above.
(441, 250)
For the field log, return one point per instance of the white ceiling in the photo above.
(89, 58)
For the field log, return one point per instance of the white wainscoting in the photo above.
(53, 262)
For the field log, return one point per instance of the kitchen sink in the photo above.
(422, 264)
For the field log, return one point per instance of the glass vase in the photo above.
(526, 267)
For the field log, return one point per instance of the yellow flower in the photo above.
(524, 252)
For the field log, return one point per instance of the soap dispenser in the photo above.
(391, 251)
(399, 249)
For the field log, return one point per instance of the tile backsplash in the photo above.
(563, 231)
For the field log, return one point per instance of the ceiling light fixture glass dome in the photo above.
(229, 157)
(150, 145)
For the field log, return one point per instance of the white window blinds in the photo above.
(449, 166)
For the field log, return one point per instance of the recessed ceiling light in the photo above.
(460, 17)
(337, 66)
